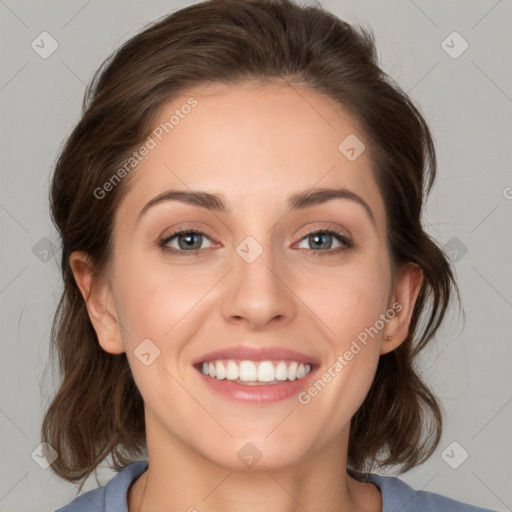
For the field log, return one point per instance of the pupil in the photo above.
(321, 238)
(189, 242)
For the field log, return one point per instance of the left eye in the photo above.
(186, 240)
(320, 240)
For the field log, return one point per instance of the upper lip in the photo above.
(251, 353)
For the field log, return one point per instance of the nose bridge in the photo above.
(255, 292)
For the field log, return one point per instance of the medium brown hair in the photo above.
(98, 410)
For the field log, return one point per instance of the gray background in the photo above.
(468, 102)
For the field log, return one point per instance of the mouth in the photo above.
(256, 375)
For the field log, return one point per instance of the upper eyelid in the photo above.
(320, 229)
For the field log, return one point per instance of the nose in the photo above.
(257, 293)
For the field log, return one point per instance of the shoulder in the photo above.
(112, 497)
(397, 495)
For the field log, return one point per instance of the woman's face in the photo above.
(275, 278)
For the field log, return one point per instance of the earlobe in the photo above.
(100, 308)
(407, 289)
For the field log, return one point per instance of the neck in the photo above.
(179, 478)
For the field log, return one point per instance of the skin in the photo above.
(255, 146)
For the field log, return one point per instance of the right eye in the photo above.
(184, 241)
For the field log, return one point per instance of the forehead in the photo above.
(254, 145)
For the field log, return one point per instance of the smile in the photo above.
(252, 373)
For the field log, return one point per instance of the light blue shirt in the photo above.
(396, 496)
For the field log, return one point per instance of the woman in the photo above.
(247, 280)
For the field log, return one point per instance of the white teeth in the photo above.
(232, 371)
(292, 371)
(220, 370)
(281, 371)
(247, 371)
(266, 372)
(251, 371)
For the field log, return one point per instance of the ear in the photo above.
(98, 299)
(406, 290)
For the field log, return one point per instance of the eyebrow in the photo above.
(297, 201)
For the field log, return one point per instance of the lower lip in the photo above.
(260, 393)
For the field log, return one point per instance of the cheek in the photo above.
(350, 299)
(156, 297)
(350, 306)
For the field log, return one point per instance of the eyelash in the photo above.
(314, 252)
